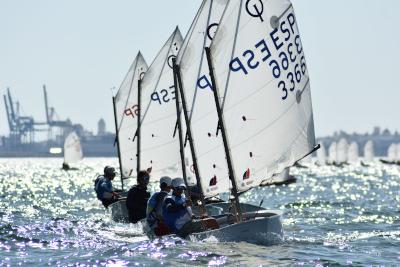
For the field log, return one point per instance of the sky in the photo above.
(82, 49)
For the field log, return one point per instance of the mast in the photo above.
(139, 124)
(224, 137)
(179, 122)
(179, 89)
(117, 141)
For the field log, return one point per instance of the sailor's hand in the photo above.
(189, 202)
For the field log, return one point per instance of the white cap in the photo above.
(166, 179)
(177, 182)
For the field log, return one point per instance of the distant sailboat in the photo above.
(332, 153)
(398, 154)
(391, 154)
(321, 156)
(72, 151)
(353, 155)
(369, 152)
(342, 152)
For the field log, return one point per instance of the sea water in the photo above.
(332, 216)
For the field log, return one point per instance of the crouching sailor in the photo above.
(104, 189)
(154, 208)
(178, 215)
(136, 201)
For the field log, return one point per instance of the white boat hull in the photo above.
(260, 226)
(263, 227)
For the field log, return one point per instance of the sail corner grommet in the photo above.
(298, 96)
(274, 21)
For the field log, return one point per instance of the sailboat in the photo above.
(265, 128)
(352, 153)
(126, 114)
(72, 151)
(147, 139)
(342, 152)
(332, 153)
(369, 153)
(392, 153)
(321, 156)
(398, 154)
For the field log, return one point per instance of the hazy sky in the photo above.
(82, 48)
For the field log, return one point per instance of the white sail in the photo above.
(392, 152)
(333, 152)
(200, 99)
(398, 152)
(159, 138)
(72, 149)
(126, 102)
(353, 152)
(263, 83)
(342, 148)
(369, 153)
(321, 155)
(279, 178)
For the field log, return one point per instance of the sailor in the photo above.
(178, 215)
(65, 166)
(137, 198)
(154, 208)
(104, 189)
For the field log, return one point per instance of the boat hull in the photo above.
(263, 227)
(260, 226)
(119, 212)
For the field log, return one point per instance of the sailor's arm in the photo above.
(172, 206)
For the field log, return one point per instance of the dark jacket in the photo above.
(136, 203)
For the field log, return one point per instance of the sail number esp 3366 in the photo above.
(282, 51)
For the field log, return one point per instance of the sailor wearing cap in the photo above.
(154, 208)
(104, 189)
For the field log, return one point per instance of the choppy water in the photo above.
(332, 217)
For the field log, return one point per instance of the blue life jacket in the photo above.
(154, 208)
(175, 213)
(102, 185)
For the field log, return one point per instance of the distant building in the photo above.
(101, 127)
(386, 132)
(377, 131)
